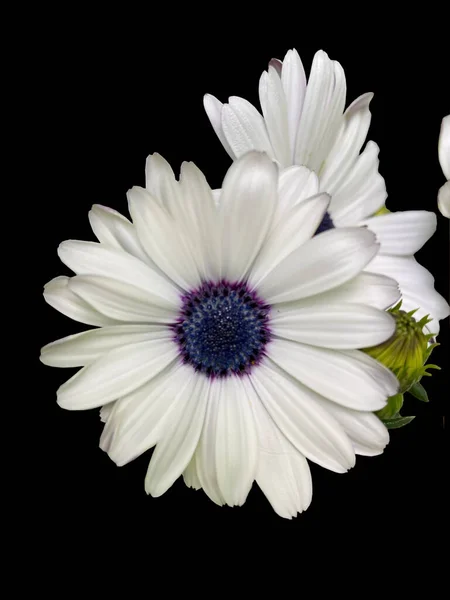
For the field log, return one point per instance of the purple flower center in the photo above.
(223, 328)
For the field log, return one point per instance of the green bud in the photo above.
(406, 352)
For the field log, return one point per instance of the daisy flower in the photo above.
(304, 123)
(227, 335)
(444, 159)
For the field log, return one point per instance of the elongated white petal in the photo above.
(199, 216)
(297, 413)
(190, 474)
(320, 264)
(293, 79)
(89, 258)
(174, 451)
(366, 431)
(276, 118)
(113, 229)
(335, 375)
(213, 108)
(143, 417)
(282, 471)
(402, 233)
(244, 127)
(106, 411)
(116, 374)
(366, 288)
(161, 184)
(444, 200)
(296, 227)
(84, 348)
(338, 326)
(247, 204)
(120, 301)
(444, 146)
(322, 112)
(362, 193)
(242, 135)
(58, 294)
(205, 456)
(416, 284)
(347, 145)
(163, 239)
(236, 441)
(295, 185)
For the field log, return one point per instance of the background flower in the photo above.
(304, 123)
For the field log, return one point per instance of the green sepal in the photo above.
(392, 408)
(397, 422)
(418, 391)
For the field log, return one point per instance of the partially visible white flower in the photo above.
(304, 123)
(444, 159)
(228, 335)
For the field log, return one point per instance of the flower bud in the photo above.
(407, 350)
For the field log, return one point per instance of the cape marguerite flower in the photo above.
(227, 336)
(444, 159)
(305, 124)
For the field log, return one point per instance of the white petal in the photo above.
(89, 258)
(236, 441)
(277, 65)
(338, 376)
(244, 127)
(163, 239)
(106, 411)
(58, 294)
(213, 108)
(310, 428)
(161, 184)
(247, 204)
(205, 456)
(174, 451)
(296, 227)
(113, 229)
(116, 374)
(200, 220)
(444, 200)
(362, 193)
(444, 146)
(282, 473)
(347, 146)
(416, 284)
(276, 118)
(366, 431)
(338, 326)
(84, 348)
(190, 475)
(366, 288)
(293, 79)
(143, 417)
(402, 233)
(295, 185)
(320, 264)
(322, 112)
(120, 301)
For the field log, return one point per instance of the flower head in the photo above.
(303, 123)
(228, 334)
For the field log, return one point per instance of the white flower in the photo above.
(227, 336)
(444, 159)
(305, 124)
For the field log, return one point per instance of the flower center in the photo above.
(326, 224)
(222, 328)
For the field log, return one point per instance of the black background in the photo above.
(107, 94)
